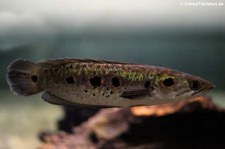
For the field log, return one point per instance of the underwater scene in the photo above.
(104, 102)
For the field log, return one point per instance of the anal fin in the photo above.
(53, 99)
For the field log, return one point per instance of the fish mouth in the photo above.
(181, 93)
(204, 90)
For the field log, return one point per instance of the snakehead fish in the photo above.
(99, 83)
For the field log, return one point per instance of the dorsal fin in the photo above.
(70, 60)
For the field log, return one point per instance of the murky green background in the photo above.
(155, 33)
(21, 119)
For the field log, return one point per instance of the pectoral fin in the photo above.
(134, 93)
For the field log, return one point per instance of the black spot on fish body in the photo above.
(95, 81)
(168, 82)
(34, 78)
(115, 82)
(147, 84)
(70, 80)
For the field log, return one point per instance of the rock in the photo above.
(198, 123)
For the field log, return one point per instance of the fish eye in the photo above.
(195, 85)
(168, 82)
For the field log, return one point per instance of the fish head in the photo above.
(180, 86)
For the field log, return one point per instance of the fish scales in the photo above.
(100, 83)
(126, 72)
(78, 70)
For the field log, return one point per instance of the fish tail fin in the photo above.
(23, 77)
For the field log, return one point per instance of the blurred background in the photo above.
(174, 34)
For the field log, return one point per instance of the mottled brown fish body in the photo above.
(88, 82)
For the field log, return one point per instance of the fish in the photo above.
(102, 83)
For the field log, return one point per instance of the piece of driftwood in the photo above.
(197, 124)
